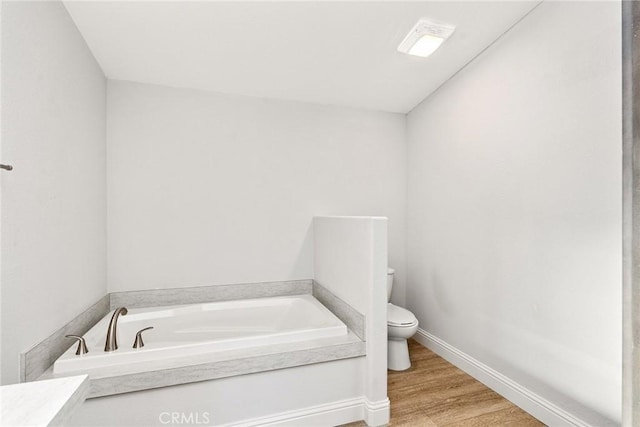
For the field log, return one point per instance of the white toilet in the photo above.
(401, 325)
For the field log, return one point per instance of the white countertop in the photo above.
(42, 403)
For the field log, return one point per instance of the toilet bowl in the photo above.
(401, 325)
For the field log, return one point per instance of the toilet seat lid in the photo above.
(398, 316)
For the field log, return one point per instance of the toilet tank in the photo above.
(390, 274)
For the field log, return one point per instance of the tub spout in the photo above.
(112, 339)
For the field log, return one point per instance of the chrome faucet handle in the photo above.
(138, 343)
(82, 344)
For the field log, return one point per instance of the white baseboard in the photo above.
(539, 407)
(330, 414)
(377, 413)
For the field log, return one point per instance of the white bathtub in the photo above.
(197, 329)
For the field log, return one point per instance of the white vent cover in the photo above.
(425, 37)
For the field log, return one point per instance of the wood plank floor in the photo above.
(434, 393)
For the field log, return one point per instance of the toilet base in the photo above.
(398, 354)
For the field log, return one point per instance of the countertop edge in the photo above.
(76, 400)
(30, 404)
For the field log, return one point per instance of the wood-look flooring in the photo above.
(434, 393)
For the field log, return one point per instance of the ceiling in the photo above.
(337, 53)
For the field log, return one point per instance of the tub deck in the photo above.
(203, 329)
(300, 332)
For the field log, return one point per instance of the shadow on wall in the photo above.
(303, 263)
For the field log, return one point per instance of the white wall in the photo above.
(343, 249)
(53, 202)
(514, 242)
(206, 188)
(350, 260)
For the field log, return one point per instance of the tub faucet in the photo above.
(112, 339)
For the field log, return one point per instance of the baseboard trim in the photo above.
(539, 407)
(334, 413)
(377, 413)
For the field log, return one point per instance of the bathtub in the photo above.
(200, 329)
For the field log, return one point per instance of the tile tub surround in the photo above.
(208, 366)
(36, 360)
(214, 293)
(42, 403)
(354, 320)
